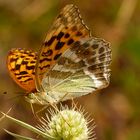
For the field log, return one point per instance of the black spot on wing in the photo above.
(45, 59)
(70, 41)
(86, 45)
(24, 62)
(86, 53)
(48, 43)
(57, 56)
(95, 46)
(46, 66)
(67, 35)
(79, 33)
(75, 46)
(32, 62)
(22, 73)
(22, 56)
(101, 50)
(30, 67)
(59, 45)
(17, 67)
(23, 76)
(48, 53)
(60, 35)
(13, 60)
(31, 55)
(28, 79)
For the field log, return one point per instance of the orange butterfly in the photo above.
(71, 62)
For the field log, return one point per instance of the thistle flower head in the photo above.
(67, 124)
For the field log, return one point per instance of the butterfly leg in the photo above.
(52, 104)
(32, 108)
(40, 110)
(62, 98)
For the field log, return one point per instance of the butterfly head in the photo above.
(40, 98)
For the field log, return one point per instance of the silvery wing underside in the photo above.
(81, 69)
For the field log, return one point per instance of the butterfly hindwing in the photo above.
(82, 69)
(21, 65)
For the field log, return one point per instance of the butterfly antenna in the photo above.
(33, 111)
(45, 107)
(18, 94)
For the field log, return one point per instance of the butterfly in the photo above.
(70, 63)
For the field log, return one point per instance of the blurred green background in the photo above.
(115, 109)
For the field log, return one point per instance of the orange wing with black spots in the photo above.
(66, 30)
(21, 65)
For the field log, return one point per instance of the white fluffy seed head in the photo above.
(68, 124)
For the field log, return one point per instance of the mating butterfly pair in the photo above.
(71, 62)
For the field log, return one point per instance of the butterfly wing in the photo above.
(67, 29)
(21, 66)
(82, 69)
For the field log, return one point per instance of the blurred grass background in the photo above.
(116, 109)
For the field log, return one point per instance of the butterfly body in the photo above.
(71, 63)
(41, 98)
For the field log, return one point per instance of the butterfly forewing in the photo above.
(66, 29)
(21, 65)
(81, 69)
